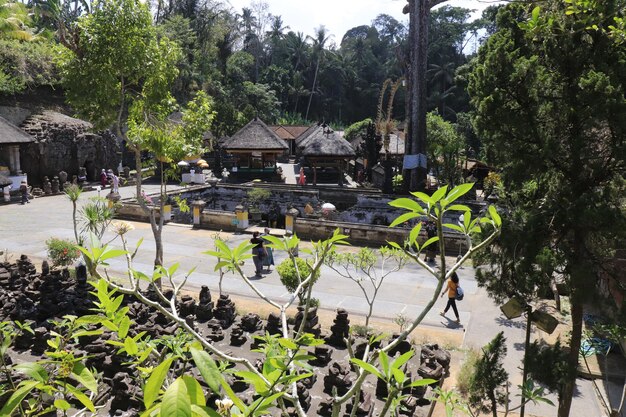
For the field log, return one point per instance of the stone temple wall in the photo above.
(65, 144)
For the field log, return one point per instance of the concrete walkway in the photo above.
(24, 230)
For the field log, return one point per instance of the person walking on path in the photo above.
(103, 179)
(302, 177)
(453, 284)
(115, 186)
(258, 253)
(24, 192)
(268, 260)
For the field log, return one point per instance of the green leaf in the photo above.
(231, 394)
(83, 333)
(458, 191)
(172, 270)
(83, 375)
(495, 216)
(287, 343)
(23, 389)
(454, 227)
(367, 367)
(535, 13)
(33, 370)
(123, 327)
(112, 253)
(176, 402)
(459, 207)
(155, 382)
(398, 375)
(394, 245)
(414, 234)
(430, 242)
(402, 359)
(131, 346)
(408, 204)
(259, 385)
(196, 395)
(89, 319)
(422, 382)
(60, 404)
(424, 197)
(208, 369)
(404, 218)
(383, 358)
(438, 195)
(204, 411)
(80, 396)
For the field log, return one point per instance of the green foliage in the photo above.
(120, 58)
(492, 182)
(293, 271)
(445, 146)
(182, 204)
(488, 383)
(557, 141)
(257, 195)
(27, 65)
(96, 216)
(62, 252)
(61, 375)
(547, 365)
(397, 181)
(465, 377)
(391, 372)
(356, 129)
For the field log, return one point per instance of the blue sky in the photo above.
(340, 15)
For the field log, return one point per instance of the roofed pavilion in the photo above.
(255, 148)
(11, 137)
(322, 147)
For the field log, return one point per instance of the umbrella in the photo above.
(201, 162)
(183, 164)
(328, 206)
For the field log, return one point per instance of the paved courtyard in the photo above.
(24, 230)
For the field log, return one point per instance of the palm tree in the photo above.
(319, 41)
(275, 35)
(297, 47)
(443, 76)
(14, 21)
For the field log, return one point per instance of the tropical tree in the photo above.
(15, 21)
(548, 92)
(319, 42)
(445, 149)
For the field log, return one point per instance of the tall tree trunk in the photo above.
(317, 67)
(565, 400)
(416, 129)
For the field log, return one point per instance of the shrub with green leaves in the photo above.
(62, 252)
(289, 276)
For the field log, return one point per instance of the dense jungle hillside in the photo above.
(250, 61)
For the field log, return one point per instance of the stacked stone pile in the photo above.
(36, 297)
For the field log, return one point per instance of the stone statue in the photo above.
(82, 174)
(47, 186)
(63, 177)
(55, 185)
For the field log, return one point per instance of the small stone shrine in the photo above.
(311, 324)
(339, 377)
(339, 330)
(225, 311)
(204, 309)
(273, 325)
